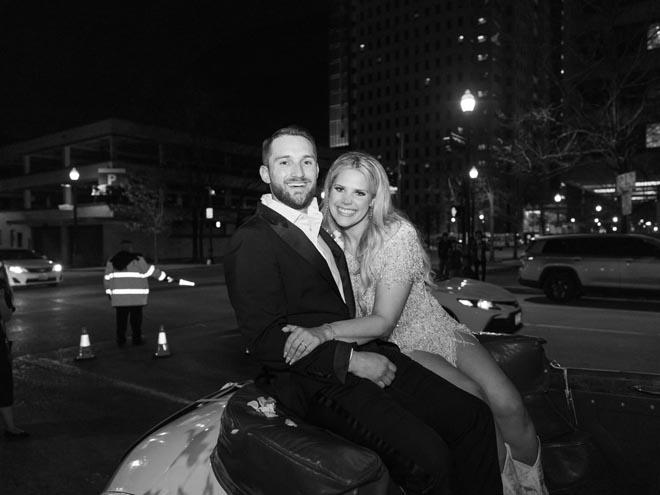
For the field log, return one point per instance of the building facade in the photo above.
(204, 189)
(398, 70)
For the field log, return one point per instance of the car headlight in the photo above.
(57, 267)
(479, 303)
(17, 269)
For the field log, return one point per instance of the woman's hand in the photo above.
(302, 341)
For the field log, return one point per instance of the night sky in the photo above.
(235, 70)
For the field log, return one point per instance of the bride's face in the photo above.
(350, 200)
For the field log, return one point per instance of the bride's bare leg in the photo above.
(511, 416)
(443, 368)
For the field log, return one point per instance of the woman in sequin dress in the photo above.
(391, 275)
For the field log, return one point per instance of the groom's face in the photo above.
(291, 171)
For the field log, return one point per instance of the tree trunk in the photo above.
(155, 245)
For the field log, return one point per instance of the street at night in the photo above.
(83, 415)
(516, 142)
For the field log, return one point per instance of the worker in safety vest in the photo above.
(126, 283)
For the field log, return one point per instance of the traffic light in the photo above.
(454, 212)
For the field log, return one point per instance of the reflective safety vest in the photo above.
(130, 286)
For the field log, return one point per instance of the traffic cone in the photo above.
(85, 351)
(162, 350)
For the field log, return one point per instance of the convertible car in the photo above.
(600, 432)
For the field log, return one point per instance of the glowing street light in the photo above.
(74, 175)
(558, 199)
(468, 102)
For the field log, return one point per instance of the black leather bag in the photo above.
(258, 455)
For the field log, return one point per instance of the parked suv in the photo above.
(567, 266)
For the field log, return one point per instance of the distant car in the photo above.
(481, 306)
(567, 266)
(26, 267)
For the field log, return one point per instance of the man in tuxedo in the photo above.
(282, 269)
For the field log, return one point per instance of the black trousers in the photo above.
(480, 268)
(6, 376)
(433, 437)
(123, 314)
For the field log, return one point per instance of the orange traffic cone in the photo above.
(163, 350)
(85, 351)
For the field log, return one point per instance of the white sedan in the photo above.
(26, 267)
(480, 306)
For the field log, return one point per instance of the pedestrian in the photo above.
(12, 432)
(127, 286)
(443, 256)
(283, 269)
(455, 259)
(479, 255)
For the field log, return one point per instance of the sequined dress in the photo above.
(424, 325)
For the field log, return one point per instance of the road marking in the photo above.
(584, 329)
(53, 364)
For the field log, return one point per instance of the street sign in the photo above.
(625, 182)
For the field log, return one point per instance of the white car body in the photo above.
(25, 267)
(480, 306)
(174, 457)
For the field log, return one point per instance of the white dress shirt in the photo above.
(310, 224)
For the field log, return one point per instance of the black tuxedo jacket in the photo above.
(275, 277)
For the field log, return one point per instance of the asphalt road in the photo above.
(83, 415)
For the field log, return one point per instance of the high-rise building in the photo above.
(398, 70)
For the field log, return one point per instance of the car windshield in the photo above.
(19, 254)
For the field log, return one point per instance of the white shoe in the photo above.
(531, 477)
(510, 481)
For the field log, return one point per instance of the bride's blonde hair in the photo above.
(384, 217)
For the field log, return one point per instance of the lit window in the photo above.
(653, 135)
(481, 38)
(362, 47)
(481, 20)
(427, 81)
(482, 56)
(653, 41)
(461, 38)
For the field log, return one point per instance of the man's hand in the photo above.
(374, 367)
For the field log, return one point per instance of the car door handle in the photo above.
(645, 390)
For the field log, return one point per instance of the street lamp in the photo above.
(74, 175)
(468, 102)
(209, 221)
(558, 199)
(473, 174)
